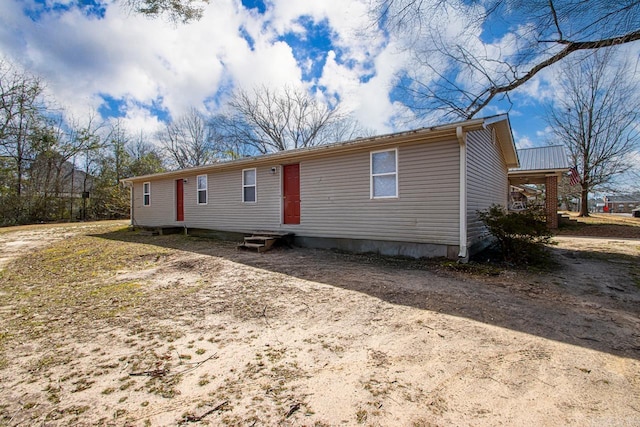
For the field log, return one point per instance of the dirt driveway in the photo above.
(103, 326)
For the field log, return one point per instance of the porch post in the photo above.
(551, 201)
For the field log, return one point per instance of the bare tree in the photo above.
(144, 157)
(183, 11)
(187, 141)
(116, 141)
(267, 120)
(596, 115)
(21, 114)
(461, 66)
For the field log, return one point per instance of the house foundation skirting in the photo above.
(382, 247)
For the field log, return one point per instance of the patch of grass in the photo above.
(82, 384)
(4, 338)
(48, 361)
(361, 416)
(164, 386)
(58, 414)
(79, 259)
(52, 394)
(204, 380)
(72, 280)
(126, 385)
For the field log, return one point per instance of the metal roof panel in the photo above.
(552, 157)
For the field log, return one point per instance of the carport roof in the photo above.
(550, 158)
(538, 163)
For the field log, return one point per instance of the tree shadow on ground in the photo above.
(629, 231)
(591, 301)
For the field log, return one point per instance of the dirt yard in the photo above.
(104, 326)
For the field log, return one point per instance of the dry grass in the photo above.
(61, 226)
(74, 279)
(602, 225)
(111, 327)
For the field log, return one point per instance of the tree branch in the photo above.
(488, 94)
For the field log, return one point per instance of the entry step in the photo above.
(263, 241)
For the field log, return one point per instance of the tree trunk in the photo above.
(584, 202)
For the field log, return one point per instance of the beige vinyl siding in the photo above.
(225, 209)
(487, 180)
(335, 197)
(161, 210)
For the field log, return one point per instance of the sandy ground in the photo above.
(299, 337)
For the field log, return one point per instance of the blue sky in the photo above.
(96, 56)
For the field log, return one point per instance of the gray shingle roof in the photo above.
(552, 157)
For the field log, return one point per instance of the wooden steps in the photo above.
(263, 241)
(564, 219)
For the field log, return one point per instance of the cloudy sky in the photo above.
(143, 70)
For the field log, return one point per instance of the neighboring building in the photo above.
(624, 203)
(412, 193)
(54, 176)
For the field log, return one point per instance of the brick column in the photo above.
(551, 201)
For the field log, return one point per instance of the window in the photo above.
(202, 189)
(249, 185)
(146, 194)
(384, 174)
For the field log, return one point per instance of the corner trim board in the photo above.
(463, 254)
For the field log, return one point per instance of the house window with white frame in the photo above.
(384, 174)
(202, 189)
(146, 194)
(249, 193)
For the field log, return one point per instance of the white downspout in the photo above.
(131, 199)
(462, 141)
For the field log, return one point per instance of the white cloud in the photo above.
(272, 64)
(145, 61)
(523, 141)
(142, 121)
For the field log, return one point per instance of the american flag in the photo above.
(574, 177)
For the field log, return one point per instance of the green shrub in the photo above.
(520, 236)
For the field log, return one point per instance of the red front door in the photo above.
(179, 200)
(291, 193)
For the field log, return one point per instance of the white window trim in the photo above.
(205, 189)
(255, 186)
(372, 175)
(146, 194)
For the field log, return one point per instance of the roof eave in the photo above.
(539, 171)
(423, 134)
(504, 134)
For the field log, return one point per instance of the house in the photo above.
(411, 193)
(622, 203)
